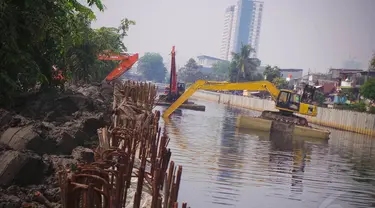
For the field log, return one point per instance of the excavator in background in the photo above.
(175, 89)
(287, 102)
(126, 62)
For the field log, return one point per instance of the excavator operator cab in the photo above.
(181, 88)
(288, 101)
(308, 94)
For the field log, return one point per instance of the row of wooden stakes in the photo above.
(133, 147)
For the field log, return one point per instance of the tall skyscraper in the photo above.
(227, 32)
(241, 26)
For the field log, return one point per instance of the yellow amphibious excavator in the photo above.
(287, 101)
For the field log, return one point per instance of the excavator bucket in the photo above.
(123, 67)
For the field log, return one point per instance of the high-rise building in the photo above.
(241, 26)
(227, 32)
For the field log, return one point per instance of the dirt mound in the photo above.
(43, 131)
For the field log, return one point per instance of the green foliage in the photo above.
(271, 73)
(319, 97)
(36, 34)
(151, 66)
(243, 65)
(280, 83)
(221, 70)
(372, 63)
(348, 93)
(372, 110)
(191, 64)
(167, 77)
(82, 58)
(190, 72)
(360, 107)
(368, 89)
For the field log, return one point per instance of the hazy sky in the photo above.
(315, 34)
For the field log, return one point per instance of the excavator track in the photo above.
(279, 116)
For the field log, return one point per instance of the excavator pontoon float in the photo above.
(288, 103)
(176, 89)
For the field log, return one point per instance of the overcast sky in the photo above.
(307, 34)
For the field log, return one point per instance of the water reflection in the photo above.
(230, 162)
(228, 167)
(296, 153)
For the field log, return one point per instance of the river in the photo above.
(225, 167)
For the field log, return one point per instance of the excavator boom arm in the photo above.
(189, 92)
(251, 86)
(126, 62)
(208, 85)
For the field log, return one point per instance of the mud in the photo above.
(43, 131)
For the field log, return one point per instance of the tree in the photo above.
(151, 66)
(190, 72)
(243, 65)
(191, 64)
(167, 77)
(368, 89)
(349, 93)
(280, 83)
(221, 70)
(35, 36)
(271, 73)
(82, 59)
(372, 63)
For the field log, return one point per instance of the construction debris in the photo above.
(47, 159)
(132, 147)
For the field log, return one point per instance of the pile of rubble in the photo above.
(48, 159)
(43, 131)
(132, 166)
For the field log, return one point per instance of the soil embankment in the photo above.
(43, 131)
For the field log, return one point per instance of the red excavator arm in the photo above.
(127, 61)
(173, 79)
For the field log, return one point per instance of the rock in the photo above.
(48, 122)
(8, 119)
(52, 194)
(20, 138)
(5, 118)
(83, 154)
(91, 124)
(56, 160)
(65, 143)
(10, 201)
(30, 137)
(21, 168)
(4, 147)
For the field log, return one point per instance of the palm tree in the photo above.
(243, 62)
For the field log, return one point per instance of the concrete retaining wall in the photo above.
(358, 122)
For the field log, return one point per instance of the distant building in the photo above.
(241, 26)
(207, 61)
(227, 33)
(337, 73)
(291, 73)
(348, 78)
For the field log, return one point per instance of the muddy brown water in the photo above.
(226, 167)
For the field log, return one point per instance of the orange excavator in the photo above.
(127, 61)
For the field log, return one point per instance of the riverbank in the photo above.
(59, 148)
(357, 122)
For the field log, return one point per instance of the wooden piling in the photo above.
(133, 146)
